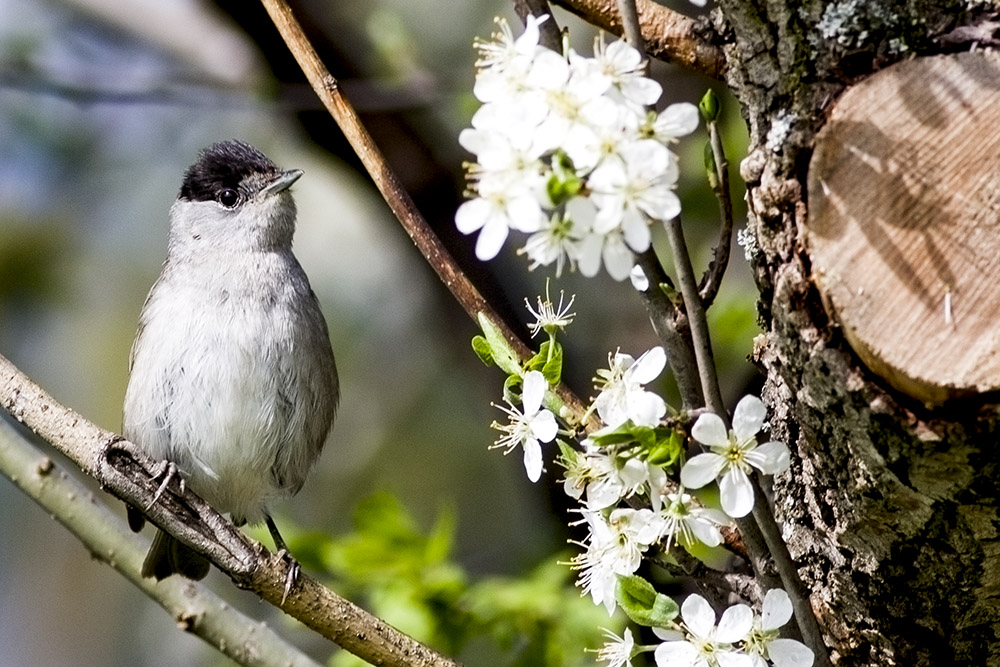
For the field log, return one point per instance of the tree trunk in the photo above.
(891, 507)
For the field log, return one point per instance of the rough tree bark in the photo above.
(891, 508)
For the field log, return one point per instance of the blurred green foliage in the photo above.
(408, 577)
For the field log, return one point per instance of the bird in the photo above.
(232, 378)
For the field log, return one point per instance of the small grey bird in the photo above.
(232, 377)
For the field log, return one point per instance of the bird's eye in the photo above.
(229, 197)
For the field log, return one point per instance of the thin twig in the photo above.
(631, 28)
(193, 606)
(125, 471)
(712, 279)
(671, 326)
(797, 592)
(430, 246)
(696, 314)
(669, 35)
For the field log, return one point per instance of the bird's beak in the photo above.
(282, 182)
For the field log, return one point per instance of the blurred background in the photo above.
(104, 103)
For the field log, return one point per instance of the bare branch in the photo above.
(193, 606)
(669, 36)
(125, 471)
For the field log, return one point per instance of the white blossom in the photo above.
(764, 643)
(550, 317)
(622, 396)
(614, 547)
(624, 66)
(688, 523)
(732, 455)
(631, 191)
(530, 427)
(702, 644)
(617, 651)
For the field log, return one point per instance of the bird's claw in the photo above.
(167, 471)
(293, 573)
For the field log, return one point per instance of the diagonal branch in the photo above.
(669, 35)
(195, 608)
(430, 246)
(126, 472)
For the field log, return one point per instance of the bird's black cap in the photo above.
(223, 165)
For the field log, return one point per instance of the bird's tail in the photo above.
(168, 556)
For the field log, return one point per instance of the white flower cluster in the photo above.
(741, 638)
(567, 153)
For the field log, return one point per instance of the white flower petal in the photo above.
(633, 473)
(618, 259)
(665, 207)
(646, 408)
(730, 659)
(636, 231)
(535, 385)
(544, 426)
(770, 458)
(736, 493)
(675, 654)
(710, 430)
(705, 532)
(639, 280)
(698, 615)
(642, 91)
(525, 214)
(677, 120)
(748, 417)
(668, 635)
(777, 609)
(533, 459)
(649, 366)
(790, 653)
(701, 469)
(589, 257)
(735, 624)
(472, 214)
(491, 238)
(603, 493)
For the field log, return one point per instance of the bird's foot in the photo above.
(167, 471)
(293, 573)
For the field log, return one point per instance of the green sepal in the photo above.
(641, 603)
(501, 352)
(482, 349)
(709, 106)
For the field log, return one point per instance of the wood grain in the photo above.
(903, 229)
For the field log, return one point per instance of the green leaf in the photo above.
(552, 368)
(641, 603)
(501, 351)
(509, 393)
(667, 449)
(709, 106)
(482, 349)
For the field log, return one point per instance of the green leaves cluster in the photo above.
(408, 577)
